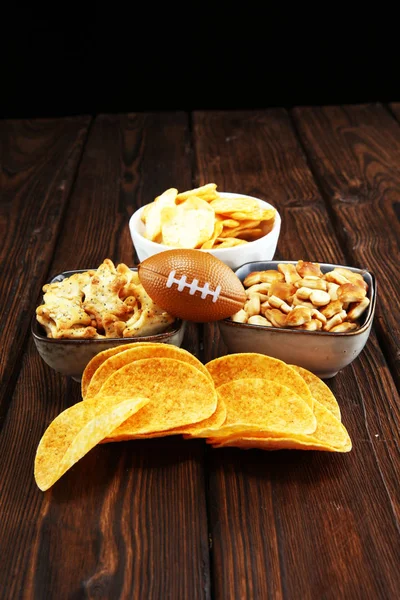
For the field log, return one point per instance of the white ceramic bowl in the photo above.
(261, 249)
(321, 352)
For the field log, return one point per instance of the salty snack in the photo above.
(149, 390)
(192, 285)
(109, 302)
(77, 430)
(201, 218)
(138, 352)
(302, 297)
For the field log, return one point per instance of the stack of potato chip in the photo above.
(144, 390)
(202, 218)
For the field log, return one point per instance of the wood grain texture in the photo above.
(38, 161)
(354, 152)
(301, 524)
(128, 520)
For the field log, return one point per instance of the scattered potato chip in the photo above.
(101, 357)
(319, 390)
(199, 429)
(180, 394)
(330, 435)
(98, 360)
(251, 364)
(77, 430)
(133, 353)
(146, 390)
(255, 404)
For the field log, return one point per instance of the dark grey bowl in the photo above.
(321, 352)
(70, 357)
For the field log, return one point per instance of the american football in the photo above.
(192, 285)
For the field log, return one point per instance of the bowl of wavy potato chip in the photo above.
(85, 312)
(148, 390)
(235, 228)
(315, 315)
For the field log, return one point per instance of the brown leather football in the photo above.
(192, 285)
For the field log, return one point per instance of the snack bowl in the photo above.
(322, 352)
(70, 356)
(260, 249)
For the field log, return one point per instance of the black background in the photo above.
(68, 62)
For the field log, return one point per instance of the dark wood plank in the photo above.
(354, 152)
(395, 108)
(301, 524)
(38, 163)
(129, 520)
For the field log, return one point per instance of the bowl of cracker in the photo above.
(84, 312)
(314, 315)
(235, 228)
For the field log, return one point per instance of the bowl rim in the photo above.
(36, 327)
(281, 330)
(275, 228)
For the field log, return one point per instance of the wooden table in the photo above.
(176, 519)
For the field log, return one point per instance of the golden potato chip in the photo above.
(186, 230)
(255, 405)
(218, 228)
(187, 225)
(251, 364)
(330, 435)
(98, 360)
(241, 225)
(250, 234)
(226, 206)
(207, 192)
(145, 211)
(196, 429)
(180, 394)
(319, 390)
(227, 222)
(213, 423)
(120, 359)
(258, 214)
(77, 430)
(228, 242)
(153, 214)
